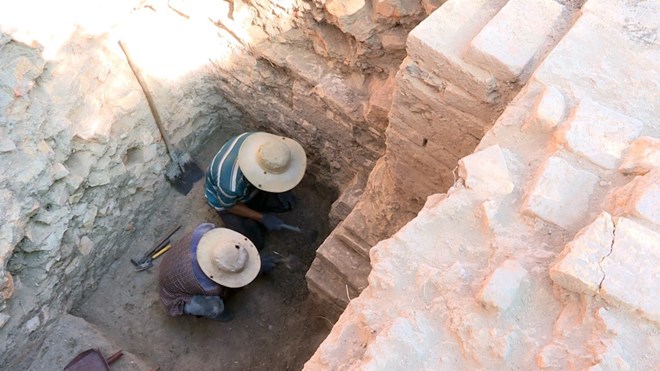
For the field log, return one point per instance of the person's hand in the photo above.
(271, 222)
(268, 262)
(287, 199)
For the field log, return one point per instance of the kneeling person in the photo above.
(201, 268)
(251, 178)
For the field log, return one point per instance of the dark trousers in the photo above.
(262, 202)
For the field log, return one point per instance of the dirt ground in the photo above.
(276, 327)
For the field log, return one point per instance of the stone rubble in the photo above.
(80, 156)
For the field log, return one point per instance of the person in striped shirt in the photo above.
(250, 180)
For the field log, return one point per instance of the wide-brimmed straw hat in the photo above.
(228, 258)
(272, 163)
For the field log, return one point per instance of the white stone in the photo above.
(578, 266)
(59, 171)
(600, 134)
(394, 39)
(4, 318)
(561, 193)
(640, 197)
(32, 324)
(486, 172)
(509, 43)
(642, 156)
(457, 22)
(6, 145)
(98, 179)
(86, 245)
(632, 269)
(501, 288)
(551, 108)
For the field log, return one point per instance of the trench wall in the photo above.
(543, 254)
(81, 161)
(464, 64)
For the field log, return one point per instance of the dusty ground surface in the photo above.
(275, 327)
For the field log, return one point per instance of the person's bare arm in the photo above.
(241, 209)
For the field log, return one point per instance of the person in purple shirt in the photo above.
(201, 268)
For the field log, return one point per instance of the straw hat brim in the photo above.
(218, 236)
(264, 180)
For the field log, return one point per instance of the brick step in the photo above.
(327, 286)
(459, 22)
(351, 240)
(510, 44)
(352, 267)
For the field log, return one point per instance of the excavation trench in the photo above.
(276, 325)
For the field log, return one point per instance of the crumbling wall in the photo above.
(81, 160)
(326, 79)
(464, 64)
(544, 252)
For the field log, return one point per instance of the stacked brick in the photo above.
(544, 254)
(464, 63)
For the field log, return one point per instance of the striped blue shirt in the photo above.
(225, 185)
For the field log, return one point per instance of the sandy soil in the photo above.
(276, 327)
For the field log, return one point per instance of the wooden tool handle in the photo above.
(161, 252)
(150, 100)
(114, 357)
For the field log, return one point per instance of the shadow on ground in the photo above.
(276, 326)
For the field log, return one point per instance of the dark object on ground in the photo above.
(181, 172)
(147, 259)
(92, 360)
(291, 228)
(291, 262)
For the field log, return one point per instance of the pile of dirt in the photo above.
(276, 325)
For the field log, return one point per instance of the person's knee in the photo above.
(205, 306)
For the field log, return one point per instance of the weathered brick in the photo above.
(438, 43)
(352, 267)
(380, 102)
(600, 134)
(642, 156)
(388, 9)
(501, 288)
(353, 17)
(640, 197)
(607, 82)
(300, 61)
(631, 270)
(486, 172)
(338, 93)
(411, 77)
(550, 109)
(512, 40)
(577, 268)
(560, 194)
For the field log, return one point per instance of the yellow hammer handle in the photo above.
(161, 252)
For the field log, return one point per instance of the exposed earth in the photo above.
(276, 326)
